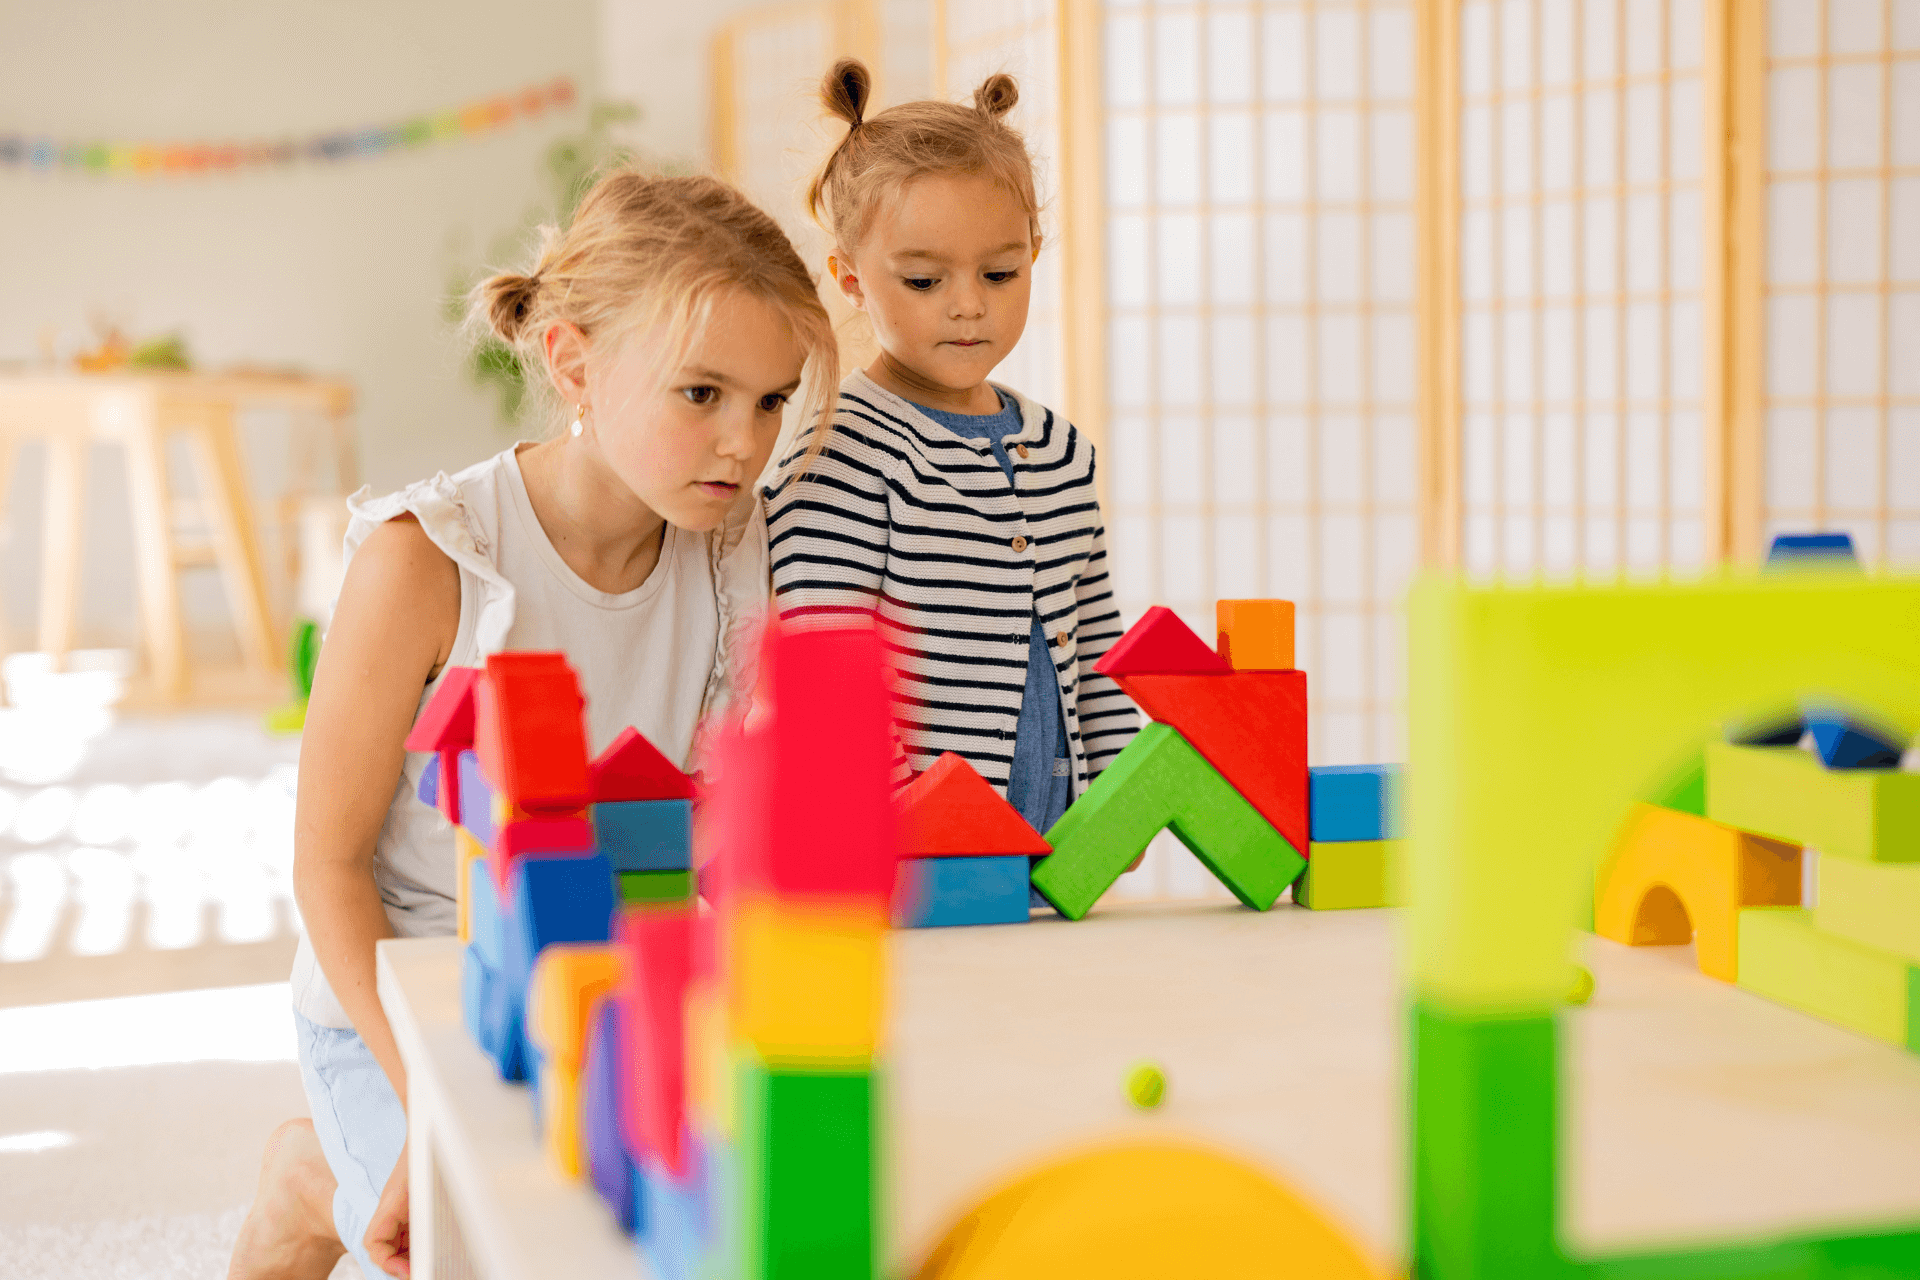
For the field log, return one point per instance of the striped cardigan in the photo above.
(901, 515)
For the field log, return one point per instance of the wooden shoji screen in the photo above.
(1260, 246)
(1840, 391)
(1580, 290)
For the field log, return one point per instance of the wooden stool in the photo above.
(142, 413)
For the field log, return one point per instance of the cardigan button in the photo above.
(1060, 640)
(1020, 449)
(1019, 543)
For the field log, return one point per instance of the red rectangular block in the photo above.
(1249, 725)
(530, 733)
(521, 837)
(657, 946)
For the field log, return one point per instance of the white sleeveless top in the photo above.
(660, 657)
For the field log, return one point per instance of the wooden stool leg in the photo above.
(60, 556)
(221, 478)
(153, 555)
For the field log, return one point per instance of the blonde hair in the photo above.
(643, 251)
(913, 140)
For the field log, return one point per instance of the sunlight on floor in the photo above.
(234, 1024)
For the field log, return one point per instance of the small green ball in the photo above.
(1146, 1086)
(1582, 989)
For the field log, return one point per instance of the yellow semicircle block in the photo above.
(1148, 1211)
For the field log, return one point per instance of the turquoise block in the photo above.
(645, 835)
(935, 893)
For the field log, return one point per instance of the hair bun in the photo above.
(509, 297)
(847, 90)
(997, 95)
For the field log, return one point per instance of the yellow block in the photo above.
(568, 980)
(466, 847)
(1537, 716)
(1675, 878)
(560, 1117)
(1350, 873)
(1255, 635)
(1872, 903)
(1147, 1211)
(807, 984)
(1785, 958)
(710, 1088)
(1786, 793)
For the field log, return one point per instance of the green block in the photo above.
(1686, 790)
(1485, 1145)
(1878, 1256)
(1876, 904)
(655, 886)
(1160, 782)
(1785, 958)
(1786, 793)
(1349, 873)
(807, 1163)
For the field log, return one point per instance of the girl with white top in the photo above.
(674, 321)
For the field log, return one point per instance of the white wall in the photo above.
(335, 268)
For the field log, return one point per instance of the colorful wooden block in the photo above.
(1354, 802)
(551, 900)
(486, 923)
(1685, 789)
(1785, 957)
(492, 1016)
(1350, 873)
(466, 852)
(807, 1174)
(559, 1086)
(1160, 642)
(518, 839)
(1875, 904)
(951, 811)
(428, 789)
(710, 1097)
(476, 798)
(610, 1165)
(1674, 878)
(529, 732)
(1251, 726)
(446, 723)
(806, 983)
(675, 1236)
(639, 888)
(569, 980)
(1785, 793)
(645, 835)
(1255, 635)
(658, 947)
(1846, 742)
(1159, 782)
(1812, 550)
(632, 768)
(936, 893)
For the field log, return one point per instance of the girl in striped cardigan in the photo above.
(961, 511)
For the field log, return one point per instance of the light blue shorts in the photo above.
(361, 1125)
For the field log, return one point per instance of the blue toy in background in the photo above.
(1354, 802)
(1811, 550)
(937, 892)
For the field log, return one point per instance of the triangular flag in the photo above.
(631, 768)
(1158, 643)
(951, 811)
(447, 722)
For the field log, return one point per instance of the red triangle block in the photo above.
(447, 722)
(631, 768)
(1161, 643)
(1251, 726)
(951, 811)
(530, 733)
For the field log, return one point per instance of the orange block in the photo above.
(569, 979)
(466, 848)
(1675, 878)
(1255, 635)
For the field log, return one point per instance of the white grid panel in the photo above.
(779, 137)
(1580, 248)
(1021, 38)
(1842, 375)
(1262, 346)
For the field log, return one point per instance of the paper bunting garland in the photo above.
(146, 158)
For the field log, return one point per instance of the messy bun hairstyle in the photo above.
(912, 140)
(644, 251)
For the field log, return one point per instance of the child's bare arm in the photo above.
(392, 630)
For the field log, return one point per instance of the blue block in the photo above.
(492, 1016)
(1354, 802)
(429, 790)
(934, 893)
(645, 835)
(476, 799)
(552, 899)
(674, 1237)
(608, 1164)
(1811, 548)
(474, 975)
(1849, 744)
(1782, 731)
(486, 927)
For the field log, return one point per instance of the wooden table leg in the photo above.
(221, 478)
(153, 550)
(60, 553)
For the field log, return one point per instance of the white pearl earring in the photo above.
(579, 412)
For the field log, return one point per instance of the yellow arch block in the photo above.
(1148, 1211)
(1676, 878)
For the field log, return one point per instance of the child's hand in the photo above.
(387, 1235)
